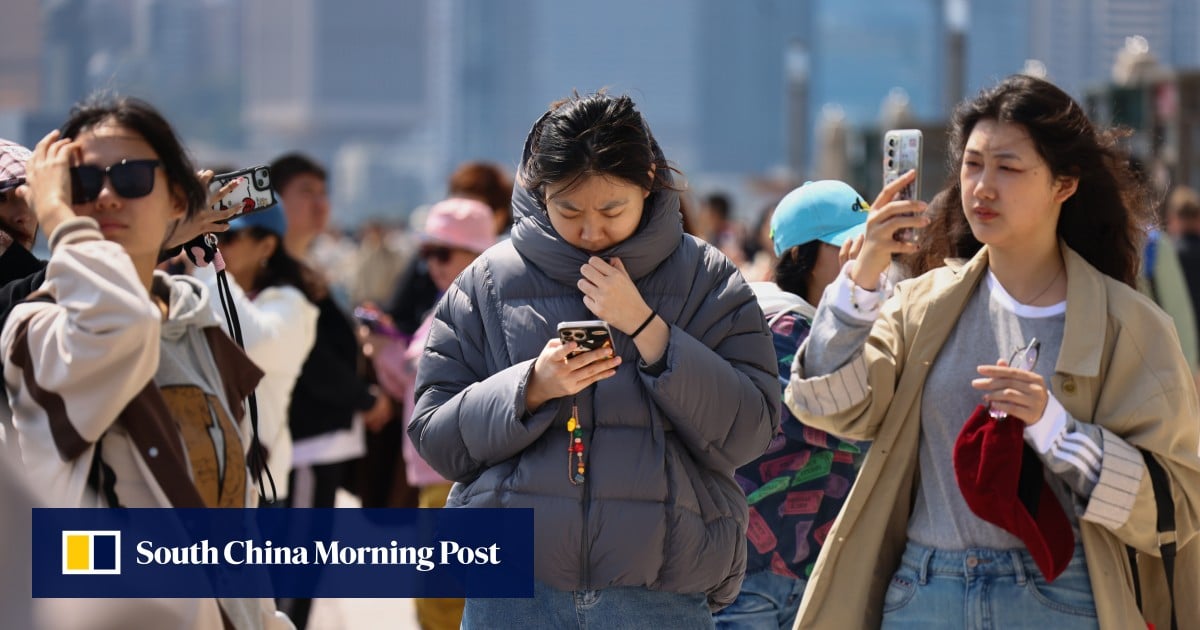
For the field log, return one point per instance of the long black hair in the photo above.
(142, 118)
(282, 269)
(1104, 221)
(793, 270)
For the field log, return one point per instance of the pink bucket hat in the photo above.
(462, 223)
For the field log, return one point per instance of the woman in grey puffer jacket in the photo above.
(646, 525)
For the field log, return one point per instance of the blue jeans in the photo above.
(768, 601)
(617, 608)
(986, 588)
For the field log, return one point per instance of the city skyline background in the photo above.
(392, 94)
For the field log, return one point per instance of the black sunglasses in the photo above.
(439, 254)
(130, 179)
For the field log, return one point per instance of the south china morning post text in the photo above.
(252, 552)
(283, 553)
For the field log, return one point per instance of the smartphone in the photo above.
(901, 154)
(252, 194)
(374, 321)
(591, 334)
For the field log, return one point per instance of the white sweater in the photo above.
(279, 327)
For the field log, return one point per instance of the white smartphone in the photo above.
(901, 154)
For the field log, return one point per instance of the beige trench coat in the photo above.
(1120, 367)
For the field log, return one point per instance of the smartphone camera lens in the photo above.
(890, 163)
(891, 142)
(891, 152)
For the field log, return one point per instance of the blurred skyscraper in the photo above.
(1077, 40)
(318, 73)
(20, 54)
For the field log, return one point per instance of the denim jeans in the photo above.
(982, 589)
(617, 608)
(768, 601)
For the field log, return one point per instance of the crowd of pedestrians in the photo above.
(811, 423)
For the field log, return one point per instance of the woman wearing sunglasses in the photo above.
(125, 391)
(626, 453)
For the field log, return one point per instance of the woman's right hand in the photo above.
(556, 374)
(47, 187)
(879, 241)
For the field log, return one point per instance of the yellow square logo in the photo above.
(91, 552)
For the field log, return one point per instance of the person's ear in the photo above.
(179, 204)
(650, 175)
(1065, 187)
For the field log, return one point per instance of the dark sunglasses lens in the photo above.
(439, 254)
(132, 179)
(86, 182)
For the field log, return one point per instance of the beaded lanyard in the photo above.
(575, 447)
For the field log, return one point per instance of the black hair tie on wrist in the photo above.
(653, 314)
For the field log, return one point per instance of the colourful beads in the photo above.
(575, 447)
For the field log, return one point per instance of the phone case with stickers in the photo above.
(252, 194)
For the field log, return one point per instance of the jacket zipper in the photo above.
(584, 542)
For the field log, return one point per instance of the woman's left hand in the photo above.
(1016, 392)
(609, 292)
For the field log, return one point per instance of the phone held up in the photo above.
(252, 194)
(591, 334)
(901, 154)
(376, 322)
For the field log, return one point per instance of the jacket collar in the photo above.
(1086, 317)
(657, 236)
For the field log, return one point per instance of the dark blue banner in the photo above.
(282, 553)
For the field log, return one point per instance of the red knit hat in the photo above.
(1003, 483)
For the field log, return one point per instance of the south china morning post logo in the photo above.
(91, 552)
(193, 552)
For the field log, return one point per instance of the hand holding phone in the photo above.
(901, 154)
(558, 372)
(252, 193)
(377, 322)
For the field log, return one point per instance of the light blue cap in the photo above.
(829, 211)
(272, 220)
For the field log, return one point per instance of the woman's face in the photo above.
(825, 269)
(139, 225)
(1009, 196)
(244, 256)
(596, 213)
(17, 218)
(445, 263)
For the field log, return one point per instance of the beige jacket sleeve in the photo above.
(1148, 400)
(852, 401)
(71, 364)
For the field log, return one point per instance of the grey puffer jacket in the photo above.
(659, 508)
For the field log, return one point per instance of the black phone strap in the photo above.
(201, 255)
